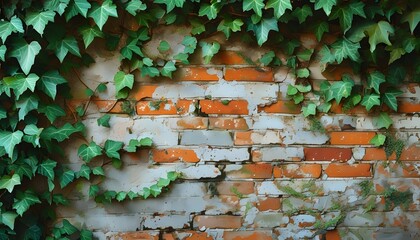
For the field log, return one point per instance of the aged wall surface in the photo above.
(251, 166)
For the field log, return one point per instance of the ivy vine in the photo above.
(41, 40)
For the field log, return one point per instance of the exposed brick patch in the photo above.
(247, 235)
(228, 123)
(235, 107)
(269, 204)
(196, 74)
(257, 171)
(166, 107)
(408, 107)
(192, 123)
(281, 107)
(332, 235)
(228, 58)
(143, 91)
(144, 235)
(351, 138)
(249, 74)
(346, 170)
(220, 221)
(235, 188)
(298, 171)
(411, 153)
(173, 155)
(328, 154)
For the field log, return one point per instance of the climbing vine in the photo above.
(42, 40)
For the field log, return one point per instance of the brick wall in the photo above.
(251, 167)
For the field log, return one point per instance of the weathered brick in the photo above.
(248, 235)
(351, 138)
(397, 170)
(221, 221)
(140, 92)
(411, 153)
(235, 187)
(256, 171)
(257, 137)
(164, 107)
(192, 123)
(346, 170)
(162, 222)
(333, 235)
(197, 74)
(228, 58)
(328, 154)
(269, 154)
(143, 235)
(201, 137)
(281, 107)
(298, 171)
(174, 154)
(408, 107)
(270, 220)
(234, 107)
(228, 123)
(109, 106)
(304, 137)
(269, 204)
(249, 74)
(225, 154)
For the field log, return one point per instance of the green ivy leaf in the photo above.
(171, 4)
(149, 71)
(46, 168)
(379, 33)
(345, 14)
(121, 196)
(302, 73)
(134, 6)
(302, 13)
(9, 182)
(190, 44)
(163, 46)
(56, 5)
(155, 190)
(78, 7)
(342, 89)
(291, 90)
(326, 5)
(168, 69)
(324, 107)
(378, 140)
(163, 182)
(131, 195)
(8, 219)
(59, 134)
(112, 147)
(256, 5)
(413, 19)
(104, 120)
(67, 228)
(382, 121)
(305, 55)
(19, 83)
(122, 81)
(52, 111)
(267, 58)
(320, 29)
(262, 29)
(197, 26)
(98, 171)
(101, 87)
(343, 48)
(66, 177)
(209, 10)
(49, 82)
(100, 13)
(228, 25)
(84, 172)
(25, 54)
(3, 50)
(27, 104)
(396, 54)
(303, 88)
(390, 98)
(88, 152)
(86, 235)
(7, 28)
(375, 79)
(24, 200)
(279, 6)
(93, 190)
(39, 20)
(309, 110)
(370, 100)
(209, 50)
(172, 175)
(89, 33)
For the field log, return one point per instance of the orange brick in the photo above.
(143, 91)
(257, 171)
(196, 74)
(109, 106)
(411, 153)
(235, 187)
(228, 58)
(164, 108)
(221, 221)
(298, 171)
(249, 74)
(192, 123)
(192, 235)
(328, 154)
(408, 107)
(346, 170)
(174, 154)
(243, 138)
(351, 138)
(217, 107)
(281, 107)
(269, 203)
(143, 235)
(228, 123)
(332, 235)
(247, 235)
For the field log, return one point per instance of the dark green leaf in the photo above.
(112, 147)
(135, 6)
(24, 200)
(382, 121)
(375, 79)
(86, 235)
(98, 171)
(262, 29)
(326, 5)
(19, 83)
(7, 28)
(66, 177)
(49, 81)
(67, 228)
(100, 13)
(343, 49)
(267, 58)
(256, 5)
(163, 46)
(46, 168)
(25, 54)
(89, 33)
(370, 100)
(413, 19)
(9, 140)
(39, 20)
(320, 29)
(59, 134)
(171, 4)
(279, 6)
(302, 13)
(390, 98)
(52, 111)
(84, 172)
(88, 152)
(104, 120)
(9, 182)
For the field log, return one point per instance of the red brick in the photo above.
(256, 171)
(351, 138)
(243, 138)
(196, 74)
(165, 107)
(328, 154)
(298, 171)
(173, 155)
(281, 107)
(236, 107)
(408, 107)
(143, 235)
(192, 123)
(332, 235)
(346, 170)
(247, 235)
(221, 221)
(228, 58)
(233, 188)
(269, 203)
(411, 153)
(249, 74)
(228, 123)
(140, 92)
